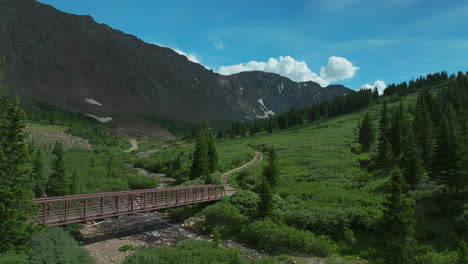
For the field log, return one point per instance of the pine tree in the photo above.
(375, 94)
(15, 180)
(221, 134)
(395, 134)
(398, 224)
(200, 161)
(74, 185)
(385, 153)
(366, 133)
(271, 171)
(212, 153)
(38, 175)
(410, 162)
(265, 207)
(423, 128)
(57, 184)
(444, 162)
(462, 253)
(384, 121)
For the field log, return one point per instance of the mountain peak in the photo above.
(63, 59)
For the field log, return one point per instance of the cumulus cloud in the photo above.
(337, 69)
(379, 84)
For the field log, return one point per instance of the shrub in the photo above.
(13, 258)
(56, 246)
(246, 202)
(273, 237)
(192, 252)
(125, 248)
(437, 258)
(225, 217)
(136, 182)
(356, 148)
(246, 179)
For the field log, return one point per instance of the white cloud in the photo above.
(218, 44)
(338, 68)
(379, 84)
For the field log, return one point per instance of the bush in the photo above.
(246, 202)
(13, 258)
(55, 246)
(437, 258)
(125, 248)
(136, 182)
(281, 238)
(183, 213)
(192, 252)
(224, 217)
(246, 179)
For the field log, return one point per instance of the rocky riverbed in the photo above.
(155, 229)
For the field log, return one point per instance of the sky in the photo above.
(357, 43)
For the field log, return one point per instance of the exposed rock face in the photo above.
(77, 64)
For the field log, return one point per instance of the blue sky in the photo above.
(356, 42)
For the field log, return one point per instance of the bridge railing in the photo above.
(63, 210)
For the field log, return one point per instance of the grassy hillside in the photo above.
(323, 188)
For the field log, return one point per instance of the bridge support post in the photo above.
(85, 208)
(102, 205)
(130, 200)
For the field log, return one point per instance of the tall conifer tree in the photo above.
(444, 162)
(38, 174)
(423, 128)
(410, 161)
(265, 207)
(212, 153)
(58, 183)
(271, 171)
(398, 224)
(15, 179)
(366, 133)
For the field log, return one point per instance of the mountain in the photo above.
(72, 62)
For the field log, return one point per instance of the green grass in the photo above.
(47, 127)
(322, 188)
(91, 166)
(231, 155)
(126, 248)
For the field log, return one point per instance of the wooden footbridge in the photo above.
(64, 210)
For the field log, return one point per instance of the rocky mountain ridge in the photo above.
(79, 65)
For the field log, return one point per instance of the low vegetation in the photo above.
(194, 252)
(365, 177)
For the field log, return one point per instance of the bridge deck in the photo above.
(63, 210)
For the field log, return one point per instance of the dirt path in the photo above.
(134, 146)
(230, 190)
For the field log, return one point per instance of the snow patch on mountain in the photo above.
(100, 119)
(281, 87)
(266, 112)
(92, 101)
